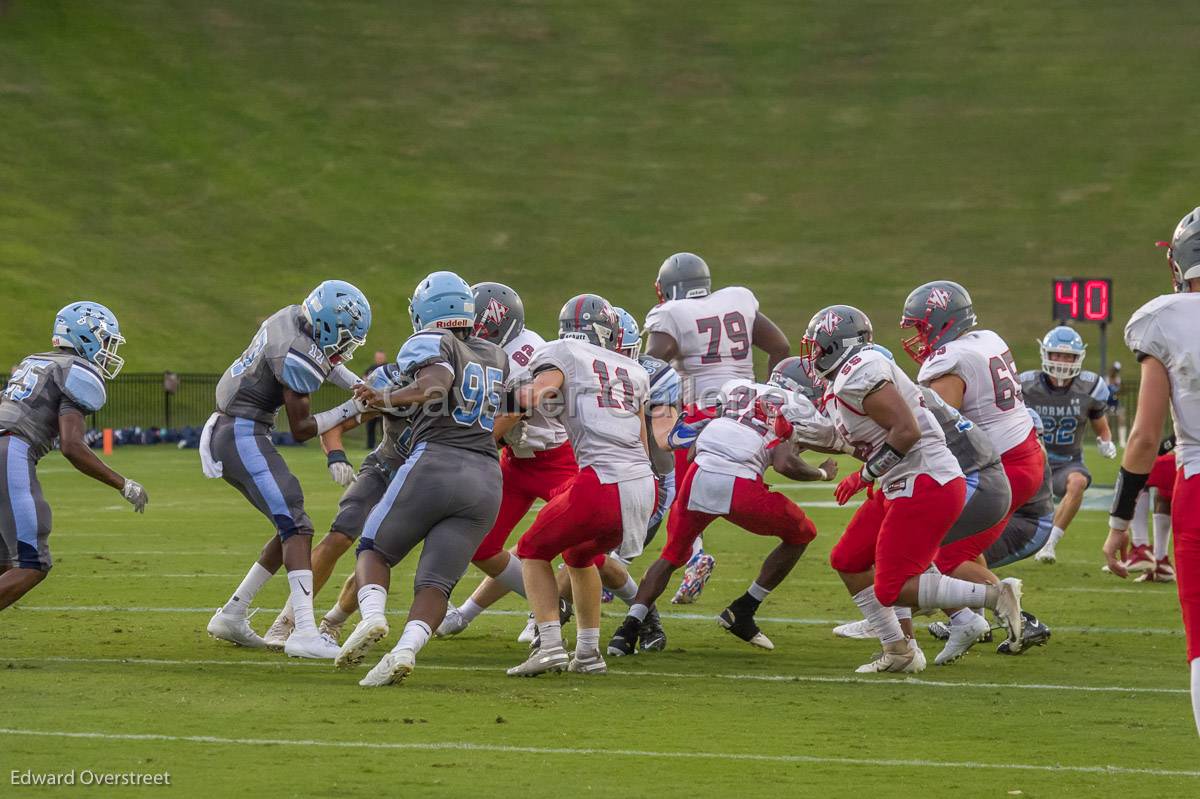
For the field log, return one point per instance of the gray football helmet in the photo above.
(940, 311)
(682, 277)
(794, 374)
(1183, 251)
(590, 318)
(834, 335)
(499, 313)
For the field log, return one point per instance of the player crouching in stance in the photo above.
(1065, 396)
(725, 479)
(916, 490)
(47, 398)
(294, 351)
(1165, 335)
(447, 493)
(607, 505)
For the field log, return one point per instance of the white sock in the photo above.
(470, 609)
(963, 617)
(254, 580)
(627, 592)
(511, 577)
(1056, 534)
(639, 611)
(335, 615)
(1196, 691)
(588, 640)
(758, 592)
(416, 635)
(372, 599)
(300, 581)
(1162, 535)
(697, 547)
(550, 634)
(882, 620)
(1139, 525)
(940, 591)
(287, 612)
(902, 612)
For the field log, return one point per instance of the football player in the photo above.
(1165, 335)
(708, 336)
(973, 371)
(608, 504)
(1065, 397)
(363, 490)
(47, 398)
(1162, 480)
(725, 480)
(915, 490)
(294, 351)
(447, 492)
(536, 461)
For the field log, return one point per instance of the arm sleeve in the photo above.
(342, 377)
(83, 389)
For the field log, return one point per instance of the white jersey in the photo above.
(713, 334)
(862, 375)
(1168, 329)
(605, 394)
(539, 432)
(735, 443)
(992, 398)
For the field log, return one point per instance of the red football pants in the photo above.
(1185, 528)
(899, 537)
(1163, 476)
(754, 507)
(526, 479)
(581, 521)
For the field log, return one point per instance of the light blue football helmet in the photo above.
(1063, 340)
(442, 301)
(340, 317)
(631, 335)
(92, 331)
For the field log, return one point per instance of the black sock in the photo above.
(747, 601)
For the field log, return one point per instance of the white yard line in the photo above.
(708, 617)
(678, 675)
(461, 746)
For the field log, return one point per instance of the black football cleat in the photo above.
(565, 611)
(624, 640)
(740, 622)
(1035, 634)
(651, 635)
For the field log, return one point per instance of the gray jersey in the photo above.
(396, 443)
(1065, 410)
(281, 355)
(465, 420)
(665, 391)
(966, 440)
(45, 386)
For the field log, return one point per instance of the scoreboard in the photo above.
(1082, 299)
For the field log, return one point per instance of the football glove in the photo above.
(851, 485)
(135, 495)
(339, 468)
(1108, 449)
(683, 434)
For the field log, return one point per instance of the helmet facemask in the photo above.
(106, 358)
(1061, 369)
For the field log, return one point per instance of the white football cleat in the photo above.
(589, 663)
(453, 624)
(234, 629)
(1008, 611)
(526, 636)
(331, 628)
(1046, 554)
(858, 630)
(367, 633)
(903, 657)
(313, 646)
(391, 669)
(542, 661)
(279, 632)
(962, 637)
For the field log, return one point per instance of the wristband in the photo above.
(1129, 486)
(882, 462)
(824, 474)
(336, 456)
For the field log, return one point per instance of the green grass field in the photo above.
(196, 165)
(109, 659)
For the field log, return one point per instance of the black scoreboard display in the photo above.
(1082, 299)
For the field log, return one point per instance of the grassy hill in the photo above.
(196, 165)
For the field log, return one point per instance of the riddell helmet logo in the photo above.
(829, 323)
(938, 298)
(494, 314)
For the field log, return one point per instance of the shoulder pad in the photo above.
(1028, 376)
(84, 387)
(665, 387)
(421, 350)
(301, 373)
